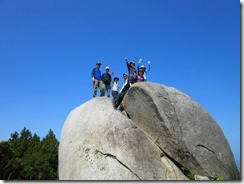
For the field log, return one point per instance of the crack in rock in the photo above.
(200, 145)
(165, 159)
(168, 158)
(114, 157)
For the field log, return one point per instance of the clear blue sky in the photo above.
(48, 48)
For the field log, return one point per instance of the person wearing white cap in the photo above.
(142, 67)
(106, 78)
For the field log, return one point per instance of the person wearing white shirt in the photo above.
(125, 76)
(123, 91)
(115, 89)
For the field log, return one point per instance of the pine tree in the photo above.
(26, 157)
(6, 166)
(49, 149)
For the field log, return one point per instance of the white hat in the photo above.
(107, 67)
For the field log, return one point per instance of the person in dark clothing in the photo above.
(97, 80)
(131, 70)
(107, 79)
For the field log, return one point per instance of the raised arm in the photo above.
(139, 64)
(149, 66)
(127, 63)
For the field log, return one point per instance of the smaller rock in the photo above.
(198, 177)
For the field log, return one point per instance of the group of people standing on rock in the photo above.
(104, 81)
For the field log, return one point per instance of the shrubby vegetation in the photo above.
(25, 157)
(191, 175)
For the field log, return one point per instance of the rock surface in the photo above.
(181, 128)
(100, 143)
(160, 130)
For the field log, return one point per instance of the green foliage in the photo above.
(49, 146)
(191, 176)
(187, 173)
(6, 165)
(26, 157)
(214, 176)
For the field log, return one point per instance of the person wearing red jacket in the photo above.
(131, 70)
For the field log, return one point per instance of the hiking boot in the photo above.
(113, 103)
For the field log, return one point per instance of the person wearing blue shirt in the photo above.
(97, 80)
(142, 67)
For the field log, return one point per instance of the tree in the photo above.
(26, 157)
(5, 160)
(49, 149)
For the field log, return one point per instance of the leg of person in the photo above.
(121, 108)
(119, 98)
(130, 79)
(114, 99)
(95, 85)
(114, 94)
(108, 90)
(102, 88)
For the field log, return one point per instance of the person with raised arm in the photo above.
(132, 73)
(145, 70)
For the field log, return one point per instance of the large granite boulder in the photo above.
(181, 128)
(160, 132)
(100, 143)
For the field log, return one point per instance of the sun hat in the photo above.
(107, 68)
